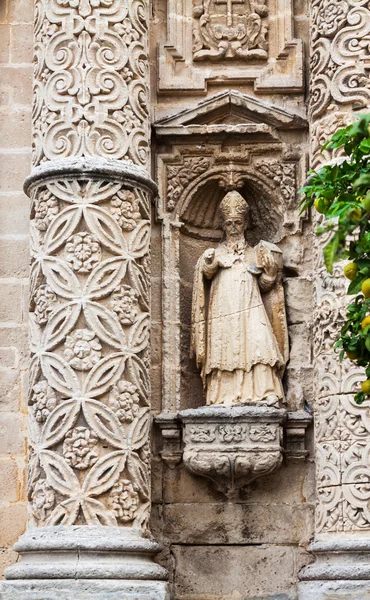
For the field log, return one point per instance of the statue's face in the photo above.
(234, 227)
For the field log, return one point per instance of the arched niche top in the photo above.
(198, 206)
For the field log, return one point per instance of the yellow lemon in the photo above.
(365, 386)
(350, 270)
(322, 205)
(352, 354)
(355, 214)
(365, 288)
(365, 322)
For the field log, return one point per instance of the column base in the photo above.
(84, 562)
(334, 590)
(341, 570)
(77, 589)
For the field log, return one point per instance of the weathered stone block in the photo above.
(9, 490)
(228, 523)
(238, 572)
(14, 257)
(14, 212)
(11, 301)
(15, 88)
(10, 390)
(13, 519)
(300, 345)
(12, 434)
(298, 299)
(8, 358)
(4, 43)
(15, 133)
(21, 47)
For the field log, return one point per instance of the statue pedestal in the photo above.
(232, 446)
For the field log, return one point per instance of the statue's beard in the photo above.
(236, 245)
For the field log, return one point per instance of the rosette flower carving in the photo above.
(125, 304)
(46, 208)
(124, 401)
(83, 252)
(79, 448)
(82, 349)
(125, 209)
(43, 399)
(330, 17)
(127, 31)
(42, 499)
(127, 117)
(45, 300)
(124, 501)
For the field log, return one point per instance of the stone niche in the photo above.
(230, 141)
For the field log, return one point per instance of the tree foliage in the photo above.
(341, 193)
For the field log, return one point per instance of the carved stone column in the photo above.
(341, 548)
(89, 391)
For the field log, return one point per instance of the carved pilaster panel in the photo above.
(340, 65)
(91, 80)
(89, 392)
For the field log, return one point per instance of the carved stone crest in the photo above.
(229, 29)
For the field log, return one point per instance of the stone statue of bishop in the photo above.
(239, 330)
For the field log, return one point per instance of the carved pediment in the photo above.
(229, 112)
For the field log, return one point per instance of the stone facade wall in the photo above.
(214, 549)
(16, 42)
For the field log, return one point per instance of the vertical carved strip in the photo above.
(89, 389)
(91, 80)
(339, 86)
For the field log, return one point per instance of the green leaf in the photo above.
(330, 252)
(355, 285)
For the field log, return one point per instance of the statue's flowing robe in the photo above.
(239, 333)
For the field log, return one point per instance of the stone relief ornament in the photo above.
(256, 39)
(230, 29)
(239, 330)
(232, 446)
(90, 90)
(89, 373)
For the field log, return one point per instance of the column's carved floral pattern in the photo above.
(124, 501)
(83, 252)
(91, 72)
(42, 500)
(44, 300)
(79, 448)
(89, 390)
(124, 400)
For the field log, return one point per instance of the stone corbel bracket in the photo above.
(232, 446)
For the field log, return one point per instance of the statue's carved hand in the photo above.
(209, 256)
(269, 265)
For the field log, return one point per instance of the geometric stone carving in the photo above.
(256, 42)
(89, 386)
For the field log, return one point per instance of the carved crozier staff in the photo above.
(239, 330)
